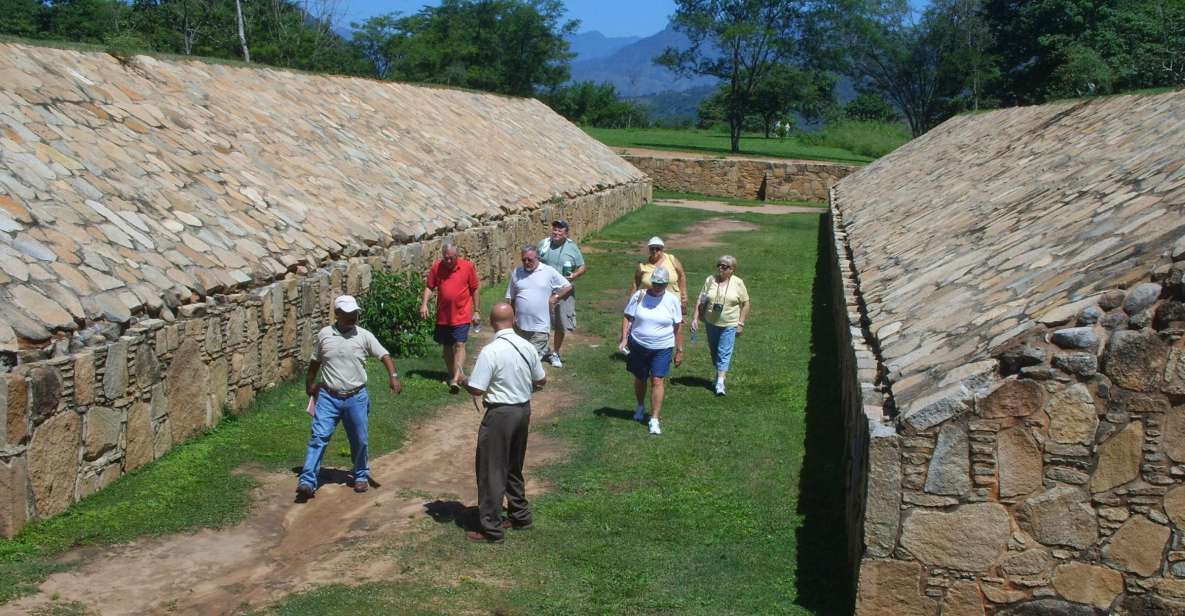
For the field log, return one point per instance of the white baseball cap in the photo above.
(660, 276)
(655, 241)
(346, 303)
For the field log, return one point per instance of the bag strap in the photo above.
(520, 354)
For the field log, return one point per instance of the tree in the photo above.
(738, 41)
(21, 17)
(596, 105)
(380, 40)
(870, 106)
(791, 90)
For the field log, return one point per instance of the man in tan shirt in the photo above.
(337, 379)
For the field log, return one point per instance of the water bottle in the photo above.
(476, 323)
(567, 268)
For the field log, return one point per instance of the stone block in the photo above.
(892, 588)
(14, 496)
(16, 394)
(268, 356)
(45, 392)
(963, 599)
(1060, 517)
(1029, 564)
(1089, 584)
(188, 391)
(244, 398)
(140, 437)
(53, 460)
(1135, 360)
(1119, 459)
(96, 479)
(968, 538)
(162, 437)
(147, 366)
(1047, 607)
(115, 371)
(882, 516)
(949, 472)
(103, 429)
(1138, 546)
(218, 385)
(1019, 462)
(1013, 398)
(84, 379)
(214, 336)
(1173, 439)
(1073, 417)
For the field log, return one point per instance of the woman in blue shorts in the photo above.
(651, 333)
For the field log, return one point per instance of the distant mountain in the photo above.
(593, 44)
(631, 69)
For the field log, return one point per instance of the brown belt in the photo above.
(342, 395)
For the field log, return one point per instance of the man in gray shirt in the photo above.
(507, 371)
(337, 379)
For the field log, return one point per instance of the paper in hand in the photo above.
(312, 408)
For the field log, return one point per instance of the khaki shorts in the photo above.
(537, 339)
(564, 314)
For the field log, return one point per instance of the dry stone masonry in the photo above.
(743, 178)
(1011, 290)
(172, 235)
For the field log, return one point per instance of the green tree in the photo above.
(870, 106)
(739, 42)
(21, 17)
(596, 105)
(381, 42)
(789, 90)
(87, 21)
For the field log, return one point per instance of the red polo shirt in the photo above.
(454, 304)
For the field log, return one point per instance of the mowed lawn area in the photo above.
(851, 142)
(736, 509)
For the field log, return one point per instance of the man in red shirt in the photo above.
(455, 282)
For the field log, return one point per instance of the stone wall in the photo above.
(1016, 289)
(172, 232)
(73, 424)
(743, 178)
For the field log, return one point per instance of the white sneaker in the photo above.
(654, 427)
(555, 360)
(719, 389)
(640, 413)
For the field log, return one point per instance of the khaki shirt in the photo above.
(506, 369)
(343, 359)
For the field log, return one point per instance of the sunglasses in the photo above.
(723, 266)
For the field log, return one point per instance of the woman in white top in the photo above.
(724, 304)
(651, 332)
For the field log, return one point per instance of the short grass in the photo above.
(715, 142)
(861, 137)
(670, 194)
(736, 509)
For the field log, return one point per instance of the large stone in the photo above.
(53, 462)
(1135, 360)
(1028, 564)
(1047, 607)
(1174, 373)
(268, 357)
(950, 464)
(84, 379)
(1173, 439)
(1060, 517)
(1119, 458)
(1140, 297)
(16, 391)
(189, 391)
(1169, 315)
(1018, 458)
(147, 366)
(935, 409)
(1138, 546)
(1174, 505)
(1076, 338)
(218, 386)
(49, 312)
(140, 437)
(1072, 415)
(104, 426)
(963, 599)
(45, 392)
(1089, 584)
(968, 538)
(1080, 363)
(1013, 398)
(882, 516)
(14, 496)
(115, 371)
(892, 588)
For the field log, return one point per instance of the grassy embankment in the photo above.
(737, 508)
(846, 142)
(670, 194)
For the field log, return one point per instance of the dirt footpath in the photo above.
(284, 548)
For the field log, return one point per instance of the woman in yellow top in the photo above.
(660, 258)
(724, 305)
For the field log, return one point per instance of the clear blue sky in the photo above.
(609, 17)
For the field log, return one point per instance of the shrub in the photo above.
(874, 139)
(870, 106)
(391, 311)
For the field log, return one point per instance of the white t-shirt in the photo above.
(506, 369)
(529, 292)
(654, 319)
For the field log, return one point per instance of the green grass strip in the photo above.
(712, 142)
(686, 196)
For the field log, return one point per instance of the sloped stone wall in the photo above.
(74, 424)
(742, 178)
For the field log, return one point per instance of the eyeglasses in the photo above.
(723, 266)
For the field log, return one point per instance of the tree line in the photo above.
(774, 59)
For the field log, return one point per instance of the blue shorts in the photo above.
(644, 363)
(450, 334)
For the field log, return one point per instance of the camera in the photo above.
(717, 307)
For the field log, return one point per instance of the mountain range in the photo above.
(628, 63)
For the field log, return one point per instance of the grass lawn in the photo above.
(670, 194)
(736, 509)
(697, 140)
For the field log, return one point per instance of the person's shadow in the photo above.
(431, 375)
(453, 512)
(612, 413)
(694, 381)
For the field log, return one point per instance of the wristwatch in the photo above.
(394, 375)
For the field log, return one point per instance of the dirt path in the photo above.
(284, 548)
(694, 154)
(719, 206)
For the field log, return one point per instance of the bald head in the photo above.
(502, 316)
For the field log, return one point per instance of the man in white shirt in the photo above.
(533, 291)
(506, 373)
(337, 379)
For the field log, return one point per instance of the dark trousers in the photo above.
(501, 450)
